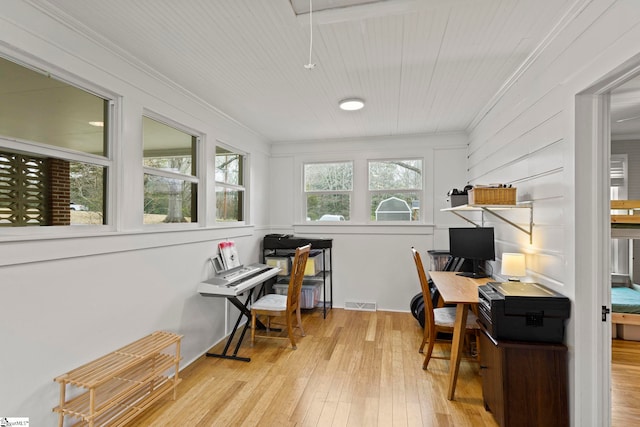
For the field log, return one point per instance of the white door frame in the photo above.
(592, 147)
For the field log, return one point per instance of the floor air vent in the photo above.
(361, 306)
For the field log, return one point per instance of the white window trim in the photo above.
(244, 188)
(194, 179)
(621, 258)
(419, 191)
(360, 199)
(350, 192)
(107, 161)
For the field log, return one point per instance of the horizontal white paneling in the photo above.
(600, 36)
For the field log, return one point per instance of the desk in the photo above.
(462, 291)
(232, 293)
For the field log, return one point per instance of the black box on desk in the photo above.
(521, 311)
(458, 199)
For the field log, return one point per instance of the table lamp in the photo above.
(513, 266)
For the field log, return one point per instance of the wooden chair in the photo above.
(438, 319)
(273, 305)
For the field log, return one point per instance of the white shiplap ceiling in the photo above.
(423, 66)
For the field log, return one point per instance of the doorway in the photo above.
(593, 134)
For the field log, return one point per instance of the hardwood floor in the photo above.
(625, 372)
(352, 369)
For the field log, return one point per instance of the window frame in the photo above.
(359, 221)
(350, 192)
(419, 191)
(29, 147)
(196, 165)
(620, 248)
(235, 187)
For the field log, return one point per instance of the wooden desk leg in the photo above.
(456, 347)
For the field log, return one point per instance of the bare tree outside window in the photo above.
(230, 190)
(328, 188)
(394, 189)
(170, 180)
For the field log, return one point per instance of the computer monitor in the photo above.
(475, 244)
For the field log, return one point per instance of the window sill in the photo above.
(36, 248)
(347, 227)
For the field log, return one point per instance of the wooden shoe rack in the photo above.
(115, 388)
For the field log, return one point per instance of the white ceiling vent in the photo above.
(360, 306)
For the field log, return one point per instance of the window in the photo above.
(230, 190)
(620, 248)
(394, 189)
(328, 188)
(54, 146)
(170, 181)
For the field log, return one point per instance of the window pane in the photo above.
(328, 207)
(40, 191)
(229, 204)
(167, 148)
(87, 204)
(230, 179)
(395, 206)
(229, 167)
(395, 175)
(328, 176)
(37, 107)
(168, 200)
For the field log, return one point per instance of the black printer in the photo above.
(522, 311)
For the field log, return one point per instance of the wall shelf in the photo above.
(493, 210)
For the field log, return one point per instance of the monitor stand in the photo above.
(472, 274)
(476, 273)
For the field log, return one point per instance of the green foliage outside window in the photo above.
(328, 189)
(229, 185)
(392, 181)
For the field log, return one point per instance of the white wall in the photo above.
(372, 262)
(70, 296)
(58, 314)
(528, 138)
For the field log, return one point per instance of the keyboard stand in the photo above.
(244, 312)
(232, 293)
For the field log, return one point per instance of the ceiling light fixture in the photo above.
(97, 124)
(352, 104)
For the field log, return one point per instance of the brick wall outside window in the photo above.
(34, 191)
(59, 192)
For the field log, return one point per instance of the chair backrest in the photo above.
(297, 275)
(424, 284)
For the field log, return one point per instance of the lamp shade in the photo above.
(513, 265)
